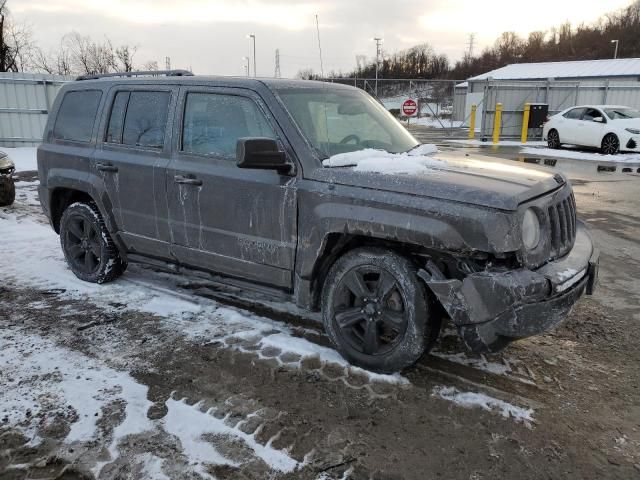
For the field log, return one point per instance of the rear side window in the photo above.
(213, 123)
(77, 115)
(138, 118)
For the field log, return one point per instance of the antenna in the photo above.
(319, 48)
(277, 72)
(470, 43)
(167, 63)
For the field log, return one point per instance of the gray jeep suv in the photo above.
(224, 177)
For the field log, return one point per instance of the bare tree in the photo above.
(15, 42)
(124, 58)
(150, 66)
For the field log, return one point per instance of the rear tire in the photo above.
(376, 310)
(87, 245)
(553, 139)
(7, 191)
(610, 144)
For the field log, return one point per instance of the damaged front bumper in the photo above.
(492, 309)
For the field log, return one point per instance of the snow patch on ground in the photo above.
(379, 161)
(36, 374)
(39, 377)
(485, 402)
(481, 363)
(24, 158)
(502, 143)
(190, 425)
(578, 155)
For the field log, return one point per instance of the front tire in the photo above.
(553, 139)
(610, 144)
(376, 310)
(7, 191)
(87, 245)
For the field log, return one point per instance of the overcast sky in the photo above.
(210, 35)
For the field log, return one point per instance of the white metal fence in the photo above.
(25, 100)
(559, 95)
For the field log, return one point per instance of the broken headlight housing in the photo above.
(530, 229)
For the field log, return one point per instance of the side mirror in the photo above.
(598, 119)
(262, 154)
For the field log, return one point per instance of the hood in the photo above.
(5, 161)
(627, 123)
(460, 177)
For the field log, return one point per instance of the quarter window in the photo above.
(213, 123)
(138, 118)
(77, 115)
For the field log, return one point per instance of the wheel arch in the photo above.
(337, 244)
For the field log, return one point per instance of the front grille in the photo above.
(562, 226)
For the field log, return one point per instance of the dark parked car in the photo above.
(7, 184)
(225, 176)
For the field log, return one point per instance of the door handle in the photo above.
(106, 167)
(187, 180)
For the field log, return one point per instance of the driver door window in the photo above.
(213, 123)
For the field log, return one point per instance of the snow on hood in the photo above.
(380, 161)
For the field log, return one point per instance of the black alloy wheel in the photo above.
(610, 144)
(87, 245)
(369, 310)
(376, 310)
(553, 139)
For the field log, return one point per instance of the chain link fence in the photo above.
(438, 105)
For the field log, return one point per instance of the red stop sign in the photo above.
(409, 107)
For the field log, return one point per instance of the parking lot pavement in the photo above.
(153, 377)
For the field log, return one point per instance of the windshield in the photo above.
(339, 121)
(622, 113)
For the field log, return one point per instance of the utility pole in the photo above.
(378, 43)
(615, 53)
(253, 37)
(472, 40)
(167, 63)
(277, 72)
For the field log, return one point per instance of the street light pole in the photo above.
(615, 53)
(253, 37)
(378, 41)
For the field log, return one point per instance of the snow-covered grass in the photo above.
(582, 155)
(417, 160)
(502, 143)
(485, 402)
(23, 157)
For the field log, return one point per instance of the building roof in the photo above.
(622, 67)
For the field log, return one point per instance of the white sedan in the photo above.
(610, 128)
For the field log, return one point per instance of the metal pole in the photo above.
(615, 52)
(255, 71)
(377, 40)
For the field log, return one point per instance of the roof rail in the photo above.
(147, 73)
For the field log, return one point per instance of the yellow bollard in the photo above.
(497, 121)
(472, 122)
(525, 123)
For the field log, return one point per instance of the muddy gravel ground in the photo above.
(104, 385)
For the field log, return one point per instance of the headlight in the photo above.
(530, 229)
(635, 131)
